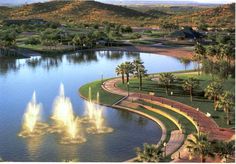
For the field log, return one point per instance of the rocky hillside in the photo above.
(79, 11)
(222, 16)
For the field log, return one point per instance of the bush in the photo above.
(135, 36)
(32, 41)
(148, 32)
(126, 29)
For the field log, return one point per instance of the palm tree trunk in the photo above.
(198, 67)
(140, 82)
(203, 159)
(127, 77)
(227, 115)
(191, 94)
(123, 78)
(166, 90)
(215, 103)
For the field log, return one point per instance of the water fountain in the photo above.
(89, 109)
(31, 126)
(62, 108)
(97, 119)
(65, 121)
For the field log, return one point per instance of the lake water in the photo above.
(19, 78)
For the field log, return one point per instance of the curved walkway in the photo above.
(205, 124)
(176, 137)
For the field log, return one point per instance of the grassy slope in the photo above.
(106, 98)
(199, 101)
(186, 124)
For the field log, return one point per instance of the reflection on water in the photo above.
(141, 121)
(33, 146)
(69, 154)
(54, 61)
(125, 115)
(9, 65)
(46, 62)
(82, 57)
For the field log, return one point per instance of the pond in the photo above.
(21, 77)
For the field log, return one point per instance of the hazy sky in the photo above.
(202, 1)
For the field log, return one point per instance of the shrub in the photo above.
(126, 29)
(135, 36)
(32, 41)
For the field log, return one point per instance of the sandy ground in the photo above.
(179, 52)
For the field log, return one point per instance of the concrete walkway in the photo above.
(175, 142)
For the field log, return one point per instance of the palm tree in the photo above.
(200, 146)
(185, 61)
(226, 102)
(120, 70)
(128, 69)
(213, 91)
(227, 52)
(189, 85)
(224, 149)
(139, 71)
(166, 79)
(199, 54)
(211, 50)
(150, 153)
(75, 41)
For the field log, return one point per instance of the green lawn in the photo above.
(187, 126)
(37, 47)
(199, 101)
(143, 42)
(170, 126)
(106, 98)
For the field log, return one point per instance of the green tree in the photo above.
(8, 38)
(150, 153)
(189, 85)
(226, 102)
(129, 69)
(185, 61)
(166, 79)
(199, 145)
(224, 149)
(212, 50)
(120, 70)
(199, 54)
(228, 52)
(213, 91)
(139, 71)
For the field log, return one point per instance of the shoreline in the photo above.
(177, 52)
(142, 114)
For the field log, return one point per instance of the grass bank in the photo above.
(106, 98)
(199, 101)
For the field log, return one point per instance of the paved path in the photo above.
(175, 142)
(206, 124)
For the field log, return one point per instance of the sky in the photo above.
(201, 1)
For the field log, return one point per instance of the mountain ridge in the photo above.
(78, 11)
